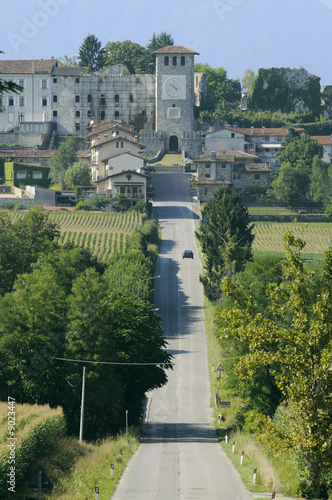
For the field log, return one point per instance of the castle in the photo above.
(66, 100)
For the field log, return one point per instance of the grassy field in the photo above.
(170, 159)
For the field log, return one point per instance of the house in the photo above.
(124, 161)
(108, 140)
(236, 169)
(326, 142)
(129, 183)
(264, 142)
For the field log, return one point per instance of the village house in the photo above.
(263, 142)
(230, 168)
(108, 141)
(326, 142)
(129, 183)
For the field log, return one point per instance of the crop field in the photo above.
(269, 236)
(102, 233)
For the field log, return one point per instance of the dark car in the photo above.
(187, 254)
(148, 169)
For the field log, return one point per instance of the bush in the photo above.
(82, 205)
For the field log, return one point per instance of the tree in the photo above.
(292, 183)
(133, 55)
(226, 238)
(157, 42)
(248, 80)
(77, 174)
(22, 240)
(222, 93)
(67, 61)
(321, 186)
(91, 55)
(292, 338)
(62, 159)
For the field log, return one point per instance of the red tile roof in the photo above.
(174, 49)
(97, 128)
(323, 139)
(42, 66)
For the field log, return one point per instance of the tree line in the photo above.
(59, 303)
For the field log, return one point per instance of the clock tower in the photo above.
(174, 94)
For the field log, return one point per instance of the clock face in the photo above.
(174, 87)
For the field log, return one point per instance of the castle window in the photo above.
(183, 61)
(55, 98)
(166, 61)
(89, 97)
(77, 80)
(131, 98)
(55, 114)
(143, 113)
(102, 100)
(77, 98)
(117, 98)
(55, 80)
(77, 114)
(10, 101)
(77, 126)
(175, 60)
(102, 115)
(117, 114)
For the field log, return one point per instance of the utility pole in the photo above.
(82, 406)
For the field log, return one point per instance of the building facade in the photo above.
(66, 99)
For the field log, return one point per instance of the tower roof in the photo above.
(175, 49)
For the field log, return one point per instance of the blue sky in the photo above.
(235, 34)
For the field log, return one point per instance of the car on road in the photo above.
(148, 169)
(187, 254)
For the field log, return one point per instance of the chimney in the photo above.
(263, 130)
(252, 130)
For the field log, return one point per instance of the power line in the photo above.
(110, 362)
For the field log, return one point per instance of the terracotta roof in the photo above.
(174, 49)
(97, 128)
(229, 156)
(323, 139)
(42, 66)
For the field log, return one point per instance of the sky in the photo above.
(234, 34)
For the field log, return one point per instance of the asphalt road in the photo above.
(179, 457)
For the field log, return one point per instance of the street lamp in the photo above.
(145, 279)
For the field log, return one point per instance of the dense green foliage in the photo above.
(91, 54)
(14, 169)
(293, 181)
(226, 238)
(67, 306)
(78, 174)
(286, 336)
(22, 241)
(272, 91)
(62, 159)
